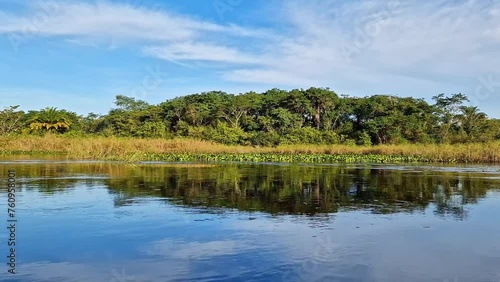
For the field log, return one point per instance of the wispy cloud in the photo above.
(161, 33)
(121, 21)
(191, 51)
(437, 37)
(421, 40)
(354, 45)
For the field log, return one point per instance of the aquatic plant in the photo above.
(179, 150)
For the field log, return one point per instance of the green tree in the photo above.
(312, 116)
(472, 122)
(321, 100)
(51, 120)
(235, 108)
(11, 120)
(447, 112)
(129, 103)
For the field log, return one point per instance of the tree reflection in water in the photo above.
(274, 189)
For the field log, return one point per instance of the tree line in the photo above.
(311, 116)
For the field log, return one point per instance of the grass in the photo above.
(130, 149)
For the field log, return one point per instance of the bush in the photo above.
(225, 134)
(363, 139)
(265, 139)
(155, 129)
(198, 132)
(306, 135)
(330, 137)
(181, 128)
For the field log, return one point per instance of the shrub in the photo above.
(225, 134)
(265, 139)
(304, 135)
(363, 139)
(155, 129)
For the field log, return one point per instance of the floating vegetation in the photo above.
(284, 158)
(179, 165)
(189, 150)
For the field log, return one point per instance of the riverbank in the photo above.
(130, 149)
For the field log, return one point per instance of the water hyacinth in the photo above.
(189, 150)
(280, 158)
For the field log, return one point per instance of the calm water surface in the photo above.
(96, 221)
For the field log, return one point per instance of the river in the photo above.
(106, 221)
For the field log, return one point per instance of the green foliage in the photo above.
(363, 139)
(265, 139)
(493, 129)
(182, 128)
(283, 121)
(52, 120)
(330, 137)
(285, 158)
(130, 104)
(309, 135)
(153, 129)
(447, 111)
(312, 116)
(225, 134)
(11, 120)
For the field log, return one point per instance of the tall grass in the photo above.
(112, 148)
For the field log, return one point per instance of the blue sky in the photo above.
(78, 55)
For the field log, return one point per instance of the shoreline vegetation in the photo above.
(188, 150)
(312, 125)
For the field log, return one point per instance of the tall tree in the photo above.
(472, 122)
(321, 100)
(11, 120)
(447, 110)
(237, 107)
(130, 103)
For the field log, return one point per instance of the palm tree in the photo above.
(471, 120)
(50, 119)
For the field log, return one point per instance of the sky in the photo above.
(78, 55)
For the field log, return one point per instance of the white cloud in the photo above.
(442, 38)
(326, 39)
(121, 21)
(415, 48)
(162, 34)
(359, 46)
(191, 51)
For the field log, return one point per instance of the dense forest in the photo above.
(312, 116)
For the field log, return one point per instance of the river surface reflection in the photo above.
(102, 221)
